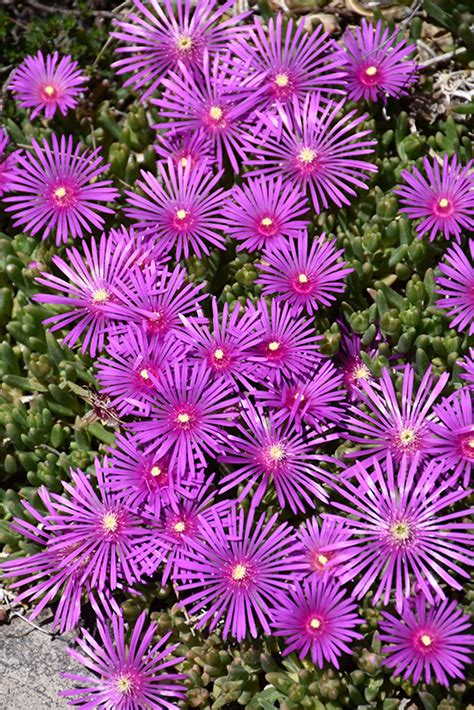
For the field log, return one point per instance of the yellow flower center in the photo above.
(276, 452)
(239, 572)
(183, 418)
(361, 373)
(315, 623)
(215, 113)
(470, 443)
(144, 374)
(303, 279)
(100, 295)
(60, 192)
(426, 640)
(266, 222)
(184, 162)
(124, 684)
(323, 560)
(274, 345)
(282, 80)
(110, 522)
(371, 71)
(400, 531)
(180, 526)
(181, 214)
(443, 203)
(218, 354)
(407, 436)
(49, 90)
(184, 43)
(307, 155)
(155, 471)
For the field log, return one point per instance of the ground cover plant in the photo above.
(237, 362)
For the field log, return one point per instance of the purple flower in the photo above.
(316, 620)
(354, 370)
(182, 208)
(315, 149)
(453, 430)
(7, 165)
(168, 35)
(45, 83)
(456, 286)
(394, 424)
(193, 148)
(428, 642)
(377, 63)
(214, 103)
(326, 547)
(288, 346)
(126, 676)
(403, 526)
(290, 62)
(308, 279)
(57, 192)
(88, 291)
(189, 416)
(265, 211)
(265, 452)
(236, 570)
(225, 349)
(443, 200)
(468, 366)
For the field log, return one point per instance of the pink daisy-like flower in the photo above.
(468, 366)
(443, 199)
(290, 61)
(456, 287)
(288, 346)
(318, 620)
(127, 676)
(236, 570)
(57, 192)
(263, 212)
(88, 289)
(377, 64)
(215, 103)
(265, 452)
(349, 359)
(307, 279)
(316, 400)
(403, 530)
(7, 163)
(192, 148)
(430, 643)
(225, 349)
(453, 430)
(188, 418)
(314, 148)
(325, 547)
(164, 35)
(47, 83)
(183, 208)
(394, 424)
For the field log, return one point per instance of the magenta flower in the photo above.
(227, 347)
(288, 346)
(377, 63)
(453, 430)
(47, 83)
(392, 424)
(316, 619)
(290, 61)
(307, 279)
(170, 34)
(468, 366)
(89, 289)
(443, 200)
(215, 103)
(316, 400)
(456, 287)
(314, 149)
(181, 209)
(326, 547)
(56, 191)
(126, 676)
(7, 164)
(193, 148)
(349, 359)
(236, 571)
(263, 212)
(429, 643)
(403, 527)
(265, 452)
(189, 416)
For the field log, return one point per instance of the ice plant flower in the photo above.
(443, 197)
(182, 208)
(325, 547)
(7, 163)
(191, 148)
(455, 286)
(55, 190)
(403, 526)
(307, 278)
(430, 644)
(315, 149)
(88, 289)
(394, 424)
(46, 83)
(377, 63)
(265, 453)
(164, 35)
(349, 360)
(126, 676)
(468, 366)
(289, 61)
(236, 571)
(453, 430)
(318, 620)
(189, 417)
(263, 212)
